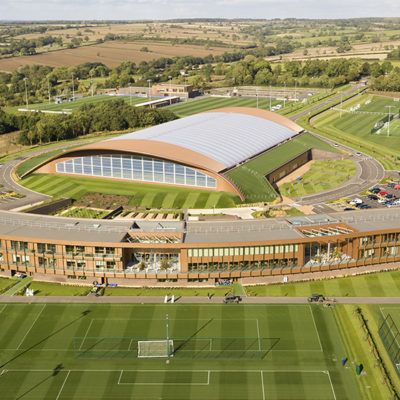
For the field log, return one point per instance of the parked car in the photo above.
(373, 197)
(316, 298)
(232, 299)
(375, 190)
(355, 201)
(383, 193)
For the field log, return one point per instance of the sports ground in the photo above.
(357, 128)
(260, 352)
(74, 105)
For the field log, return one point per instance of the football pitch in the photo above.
(242, 352)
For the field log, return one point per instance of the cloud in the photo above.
(167, 9)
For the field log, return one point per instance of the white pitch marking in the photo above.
(120, 376)
(262, 385)
(34, 322)
(316, 329)
(62, 386)
(258, 334)
(330, 381)
(87, 332)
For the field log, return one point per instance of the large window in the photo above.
(136, 168)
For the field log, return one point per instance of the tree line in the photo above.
(115, 115)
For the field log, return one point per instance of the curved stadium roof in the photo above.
(216, 140)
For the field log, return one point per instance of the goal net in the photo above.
(155, 348)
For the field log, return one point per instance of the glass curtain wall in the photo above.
(136, 168)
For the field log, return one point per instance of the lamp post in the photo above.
(257, 96)
(149, 82)
(390, 115)
(48, 87)
(73, 87)
(26, 92)
(170, 88)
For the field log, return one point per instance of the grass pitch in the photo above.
(280, 352)
(141, 195)
(210, 103)
(357, 128)
(74, 105)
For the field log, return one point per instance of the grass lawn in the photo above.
(381, 284)
(126, 291)
(141, 195)
(357, 129)
(250, 177)
(236, 352)
(71, 106)
(77, 212)
(56, 289)
(210, 103)
(6, 283)
(323, 175)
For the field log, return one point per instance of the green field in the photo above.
(6, 283)
(322, 175)
(141, 195)
(56, 289)
(381, 284)
(250, 177)
(220, 352)
(209, 103)
(357, 128)
(78, 212)
(71, 106)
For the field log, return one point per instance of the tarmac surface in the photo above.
(188, 300)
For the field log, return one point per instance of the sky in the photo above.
(167, 9)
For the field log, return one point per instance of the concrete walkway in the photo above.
(186, 300)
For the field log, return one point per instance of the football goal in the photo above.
(155, 348)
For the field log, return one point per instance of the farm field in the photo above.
(73, 351)
(250, 176)
(111, 54)
(73, 105)
(210, 103)
(358, 127)
(141, 195)
(322, 175)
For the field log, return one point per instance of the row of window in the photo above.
(244, 265)
(136, 168)
(51, 248)
(242, 251)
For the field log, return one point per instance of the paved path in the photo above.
(369, 171)
(186, 300)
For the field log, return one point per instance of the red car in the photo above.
(397, 187)
(383, 193)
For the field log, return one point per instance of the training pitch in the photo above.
(260, 352)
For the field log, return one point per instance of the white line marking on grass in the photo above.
(206, 383)
(34, 322)
(86, 334)
(316, 329)
(262, 385)
(130, 345)
(120, 376)
(62, 386)
(330, 381)
(3, 308)
(391, 332)
(258, 334)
